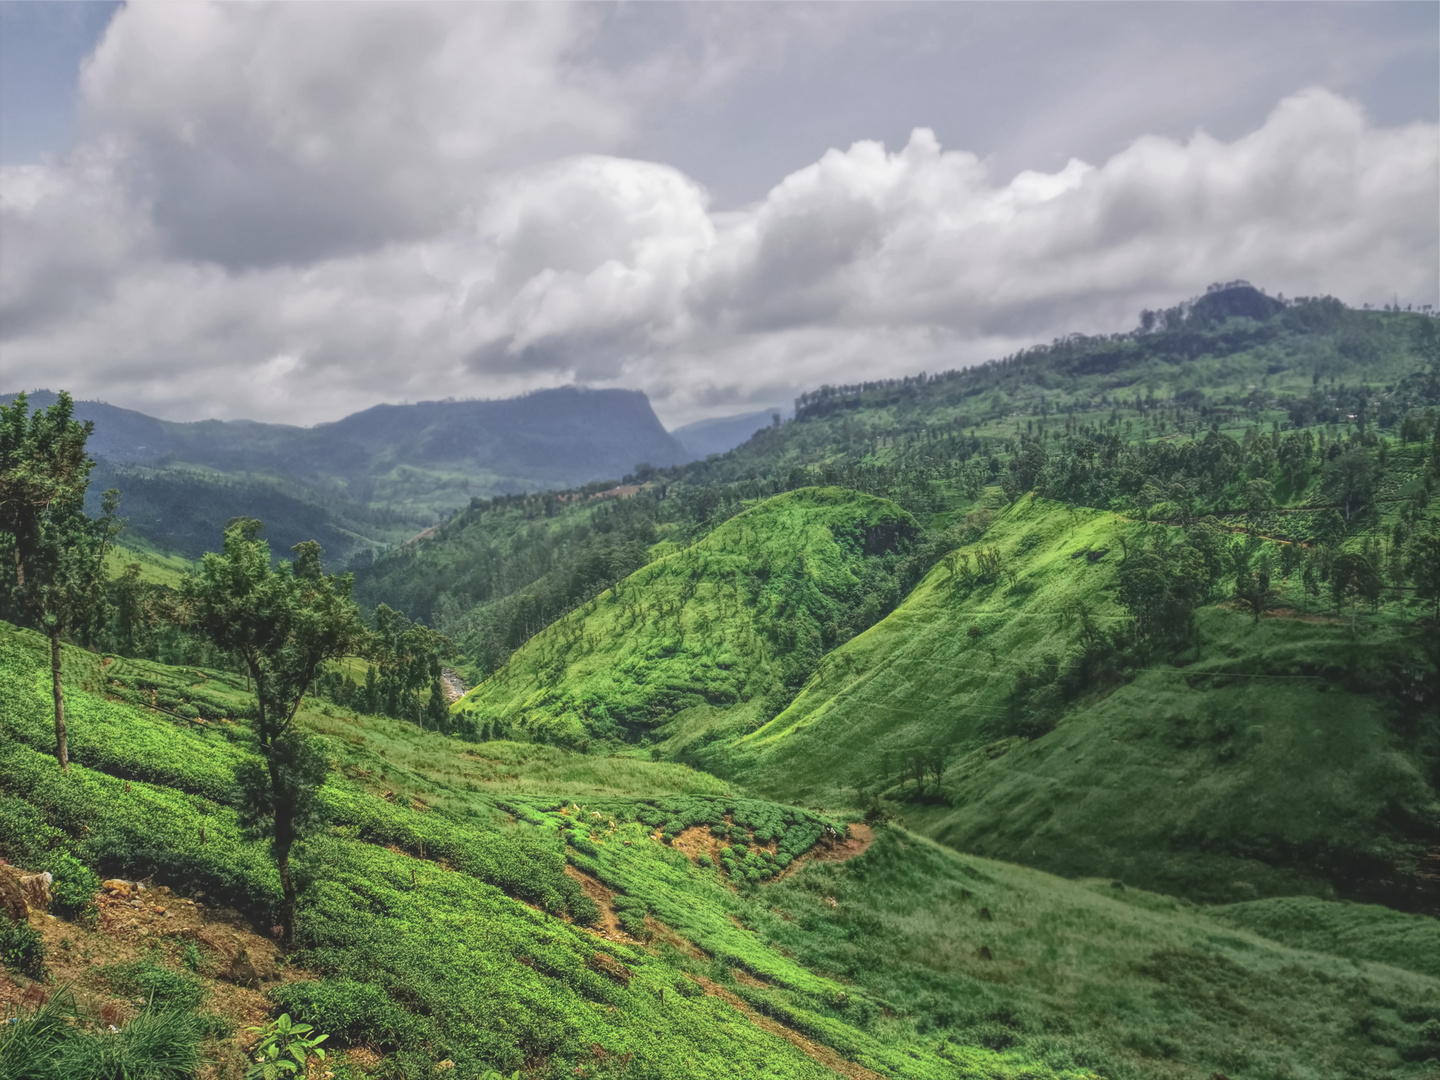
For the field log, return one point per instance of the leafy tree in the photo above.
(1252, 582)
(1351, 479)
(1423, 565)
(284, 622)
(1161, 588)
(1259, 505)
(1353, 578)
(57, 551)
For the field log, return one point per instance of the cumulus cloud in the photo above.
(288, 242)
(268, 133)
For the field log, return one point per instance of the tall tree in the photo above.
(284, 622)
(1423, 563)
(58, 553)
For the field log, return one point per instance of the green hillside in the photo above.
(438, 922)
(728, 627)
(1076, 716)
(1268, 758)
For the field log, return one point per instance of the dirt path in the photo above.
(856, 841)
(608, 926)
(817, 1052)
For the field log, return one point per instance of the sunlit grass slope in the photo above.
(435, 915)
(939, 669)
(1132, 984)
(733, 623)
(1274, 761)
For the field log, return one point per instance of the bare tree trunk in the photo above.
(62, 752)
(287, 904)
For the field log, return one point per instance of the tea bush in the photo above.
(350, 1012)
(22, 949)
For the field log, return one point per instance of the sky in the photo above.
(289, 212)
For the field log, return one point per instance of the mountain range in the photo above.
(379, 475)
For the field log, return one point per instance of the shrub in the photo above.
(631, 912)
(581, 908)
(350, 1012)
(75, 885)
(705, 861)
(191, 957)
(159, 986)
(21, 949)
(24, 834)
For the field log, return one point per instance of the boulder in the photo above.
(12, 897)
(37, 889)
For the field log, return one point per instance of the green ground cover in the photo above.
(1268, 758)
(736, 622)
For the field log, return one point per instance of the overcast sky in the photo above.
(290, 212)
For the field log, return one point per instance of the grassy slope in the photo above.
(156, 568)
(150, 794)
(1135, 985)
(1269, 765)
(717, 626)
(877, 958)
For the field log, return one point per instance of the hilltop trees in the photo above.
(1161, 588)
(283, 622)
(58, 553)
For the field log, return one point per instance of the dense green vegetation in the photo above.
(909, 959)
(1124, 649)
(737, 620)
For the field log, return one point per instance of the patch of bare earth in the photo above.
(856, 841)
(817, 1052)
(236, 965)
(608, 926)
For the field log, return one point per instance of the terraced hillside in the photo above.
(448, 918)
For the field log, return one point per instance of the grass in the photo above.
(49, 1044)
(1131, 984)
(1366, 932)
(447, 899)
(1274, 761)
(156, 568)
(730, 625)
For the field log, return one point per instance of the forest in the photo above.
(1073, 715)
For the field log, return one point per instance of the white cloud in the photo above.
(277, 218)
(269, 132)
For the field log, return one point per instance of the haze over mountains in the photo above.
(380, 475)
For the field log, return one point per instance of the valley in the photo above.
(1072, 716)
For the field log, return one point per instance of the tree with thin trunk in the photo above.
(284, 622)
(1423, 563)
(57, 552)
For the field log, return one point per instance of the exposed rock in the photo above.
(37, 890)
(12, 897)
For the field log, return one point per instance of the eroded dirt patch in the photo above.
(608, 925)
(856, 841)
(234, 963)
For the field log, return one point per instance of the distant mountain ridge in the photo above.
(721, 433)
(408, 463)
(550, 438)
